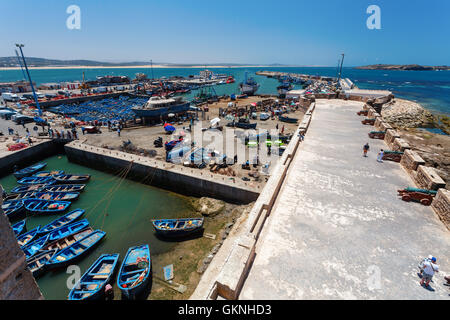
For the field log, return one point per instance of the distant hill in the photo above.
(6, 62)
(412, 67)
(11, 62)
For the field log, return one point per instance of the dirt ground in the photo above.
(143, 137)
(188, 254)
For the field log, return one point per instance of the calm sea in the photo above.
(430, 88)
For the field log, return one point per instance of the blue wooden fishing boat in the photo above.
(68, 229)
(20, 227)
(70, 217)
(48, 173)
(36, 264)
(177, 227)
(27, 237)
(72, 178)
(14, 209)
(20, 196)
(92, 284)
(37, 206)
(29, 170)
(45, 195)
(32, 248)
(54, 196)
(287, 119)
(135, 271)
(28, 188)
(75, 251)
(65, 188)
(36, 180)
(69, 240)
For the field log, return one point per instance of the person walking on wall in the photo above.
(380, 156)
(429, 269)
(366, 149)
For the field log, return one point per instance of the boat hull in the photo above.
(157, 112)
(171, 227)
(72, 253)
(132, 255)
(68, 218)
(26, 172)
(105, 259)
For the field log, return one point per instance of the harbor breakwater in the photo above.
(163, 175)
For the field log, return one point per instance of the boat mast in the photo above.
(151, 65)
(340, 71)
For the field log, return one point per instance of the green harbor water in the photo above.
(120, 207)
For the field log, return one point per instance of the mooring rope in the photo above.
(111, 191)
(139, 205)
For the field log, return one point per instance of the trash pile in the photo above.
(100, 110)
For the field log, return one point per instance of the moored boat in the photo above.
(68, 229)
(287, 119)
(54, 196)
(20, 196)
(27, 237)
(14, 209)
(48, 173)
(177, 227)
(32, 248)
(248, 86)
(36, 206)
(36, 264)
(72, 178)
(20, 227)
(65, 188)
(69, 240)
(75, 251)
(28, 188)
(91, 285)
(29, 170)
(135, 271)
(36, 180)
(70, 217)
(157, 106)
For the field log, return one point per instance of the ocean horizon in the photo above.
(431, 89)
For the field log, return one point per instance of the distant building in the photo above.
(70, 85)
(16, 87)
(49, 86)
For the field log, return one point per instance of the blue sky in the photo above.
(293, 32)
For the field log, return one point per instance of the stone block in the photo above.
(441, 205)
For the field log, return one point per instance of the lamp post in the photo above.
(20, 46)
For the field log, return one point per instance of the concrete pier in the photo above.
(164, 175)
(333, 226)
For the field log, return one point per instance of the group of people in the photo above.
(366, 149)
(70, 134)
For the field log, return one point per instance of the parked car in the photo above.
(21, 119)
(10, 97)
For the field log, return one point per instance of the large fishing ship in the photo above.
(248, 86)
(157, 106)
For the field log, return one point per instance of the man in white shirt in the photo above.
(429, 268)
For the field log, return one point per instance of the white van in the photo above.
(10, 97)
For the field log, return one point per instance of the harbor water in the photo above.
(429, 88)
(120, 207)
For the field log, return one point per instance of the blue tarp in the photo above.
(101, 110)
